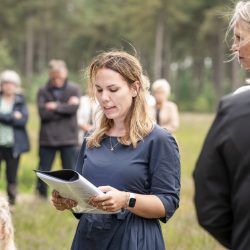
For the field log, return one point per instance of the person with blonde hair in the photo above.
(165, 112)
(13, 135)
(6, 226)
(130, 158)
(221, 175)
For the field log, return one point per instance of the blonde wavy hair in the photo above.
(138, 122)
(7, 231)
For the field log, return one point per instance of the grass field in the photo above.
(38, 226)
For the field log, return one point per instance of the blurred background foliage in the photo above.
(183, 42)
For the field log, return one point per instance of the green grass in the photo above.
(39, 226)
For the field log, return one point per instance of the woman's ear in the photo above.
(134, 93)
(135, 88)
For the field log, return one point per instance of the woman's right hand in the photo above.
(61, 203)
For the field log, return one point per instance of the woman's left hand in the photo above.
(61, 203)
(111, 201)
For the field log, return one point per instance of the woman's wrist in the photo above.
(126, 198)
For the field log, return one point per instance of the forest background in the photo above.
(182, 41)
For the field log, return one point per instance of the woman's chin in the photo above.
(109, 115)
(245, 64)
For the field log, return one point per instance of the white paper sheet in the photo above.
(72, 185)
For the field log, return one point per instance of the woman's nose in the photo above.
(105, 96)
(235, 47)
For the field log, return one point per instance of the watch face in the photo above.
(132, 202)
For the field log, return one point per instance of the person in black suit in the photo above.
(222, 172)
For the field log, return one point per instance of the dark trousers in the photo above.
(6, 154)
(47, 155)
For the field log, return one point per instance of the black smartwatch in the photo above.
(131, 200)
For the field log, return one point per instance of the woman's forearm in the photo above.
(148, 206)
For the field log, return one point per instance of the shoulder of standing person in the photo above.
(235, 103)
(74, 88)
(20, 99)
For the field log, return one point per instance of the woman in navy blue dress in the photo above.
(130, 158)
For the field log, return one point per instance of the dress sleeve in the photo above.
(80, 158)
(165, 173)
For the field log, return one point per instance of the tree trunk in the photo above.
(218, 64)
(42, 45)
(21, 57)
(50, 47)
(29, 49)
(198, 69)
(167, 55)
(198, 73)
(159, 39)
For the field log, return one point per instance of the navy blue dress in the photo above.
(153, 167)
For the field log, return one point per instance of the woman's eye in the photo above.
(237, 38)
(99, 90)
(113, 90)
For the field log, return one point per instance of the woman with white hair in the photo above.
(13, 135)
(165, 112)
(222, 172)
(6, 227)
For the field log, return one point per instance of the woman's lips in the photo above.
(108, 109)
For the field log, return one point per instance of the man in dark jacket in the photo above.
(57, 103)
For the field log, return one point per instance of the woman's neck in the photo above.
(8, 97)
(117, 130)
(159, 105)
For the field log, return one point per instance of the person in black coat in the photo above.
(57, 103)
(222, 173)
(13, 135)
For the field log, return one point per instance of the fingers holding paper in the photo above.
(61, 203)
(111, 201)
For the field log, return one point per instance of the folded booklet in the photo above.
(74, 186)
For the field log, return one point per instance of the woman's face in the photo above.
(241, 45)
(160, 95)
(8, 88)
(113, 94)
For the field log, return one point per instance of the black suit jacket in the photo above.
(222, 174)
